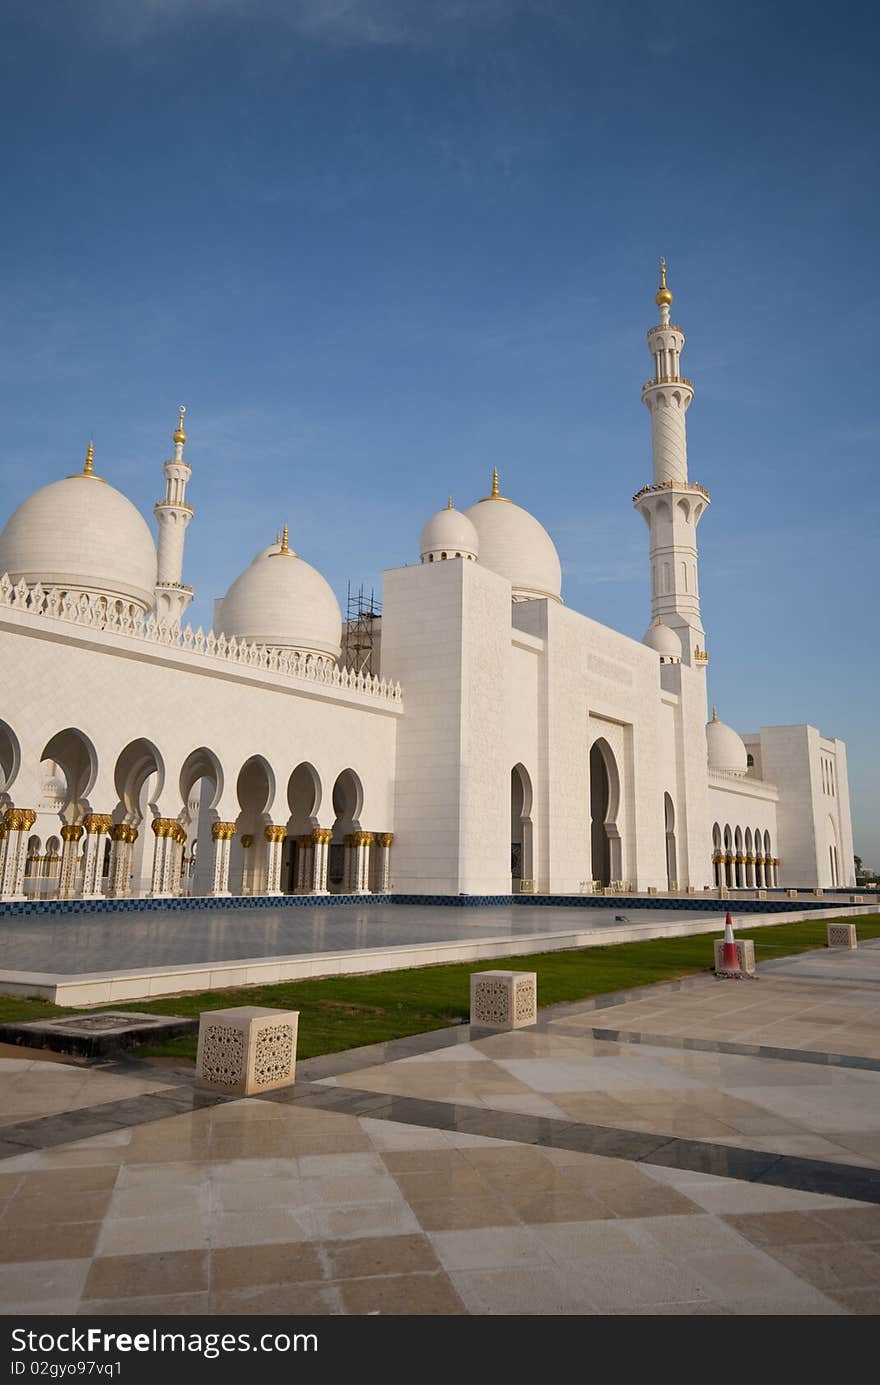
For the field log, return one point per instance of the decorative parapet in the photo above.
(672, 486)
(99, 613)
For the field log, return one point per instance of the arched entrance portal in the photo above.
(604, 806)
(671, 852)
(521, 863)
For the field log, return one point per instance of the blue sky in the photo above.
(381, 246)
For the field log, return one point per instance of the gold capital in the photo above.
(222, 831)
(71, 832)
(97, 823)
(247, 841)
(385, 838)
(275, 833)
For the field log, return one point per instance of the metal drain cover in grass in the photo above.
(96, 1035)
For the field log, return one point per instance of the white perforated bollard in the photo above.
(841, 935)
(504, 999)
(745, 951)
(246, 1050)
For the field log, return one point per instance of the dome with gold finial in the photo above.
(449, 534)
(516, 546)
(283, 603)
(664, 295)
(82, 538)
(726, 750)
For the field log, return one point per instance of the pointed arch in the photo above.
(74, 753)
(671, 849)
(521, 835)
(607, 854)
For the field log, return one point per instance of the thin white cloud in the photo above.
(347, 23)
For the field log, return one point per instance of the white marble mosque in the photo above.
(502, 743)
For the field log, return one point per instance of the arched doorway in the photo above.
(248, 858)
(304, 801)
(9, 761)
(348, 802)
(604, 806)
(201, 785)
(521, 862)
(139, 777)
(671, 852)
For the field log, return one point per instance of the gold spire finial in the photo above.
(664, 296)
(450, 505)
(495, 493)
(714, 713)
(179, 435)
(89, 467)
(283, 550)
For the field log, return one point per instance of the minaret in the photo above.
(173, 515)
(671, 505)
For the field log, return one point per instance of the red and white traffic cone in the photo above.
(729, 955)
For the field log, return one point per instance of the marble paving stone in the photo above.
(156, 1305)
(142, 1276)
(353, 1222)
(460, 1213)
(256, 1227)
(242, 1267)
(419, 1294)
(520, 1291)
(285, 1300)
(41, 1282)
(137, 1235)
(489, 1247)
(379, 1255)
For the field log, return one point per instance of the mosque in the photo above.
(500, 742)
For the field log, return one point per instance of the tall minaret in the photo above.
(173, 515)
(672, 505)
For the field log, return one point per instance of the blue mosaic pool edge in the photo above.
(702, 903)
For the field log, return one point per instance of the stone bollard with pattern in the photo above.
(504, 999)
(841, 935)
(246, 1050)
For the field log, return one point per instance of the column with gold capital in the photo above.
(275, 835)
(4, 841)
(221, 835)
(160, 883)
(360, 874)
(321, 838)
(96, 825)
(305, 849)
(67, 881)
(18, 823)
(382, 848)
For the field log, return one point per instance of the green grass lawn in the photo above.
(349, 1011)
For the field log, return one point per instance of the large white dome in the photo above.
(448, 534)
(516, 546)
(81, 535)
(282, 602)
(726, 749)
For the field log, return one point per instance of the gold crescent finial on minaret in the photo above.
(664, 296)
(179, 435)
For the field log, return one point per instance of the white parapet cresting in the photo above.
(98, 613)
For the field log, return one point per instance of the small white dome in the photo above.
(282, 602)
(448, 534)
(516, 546)
(82, 535)
(663, 640)
(726, 749)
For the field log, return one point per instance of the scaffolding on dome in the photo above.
(360, 634)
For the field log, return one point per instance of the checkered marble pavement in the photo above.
(546, 1171)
